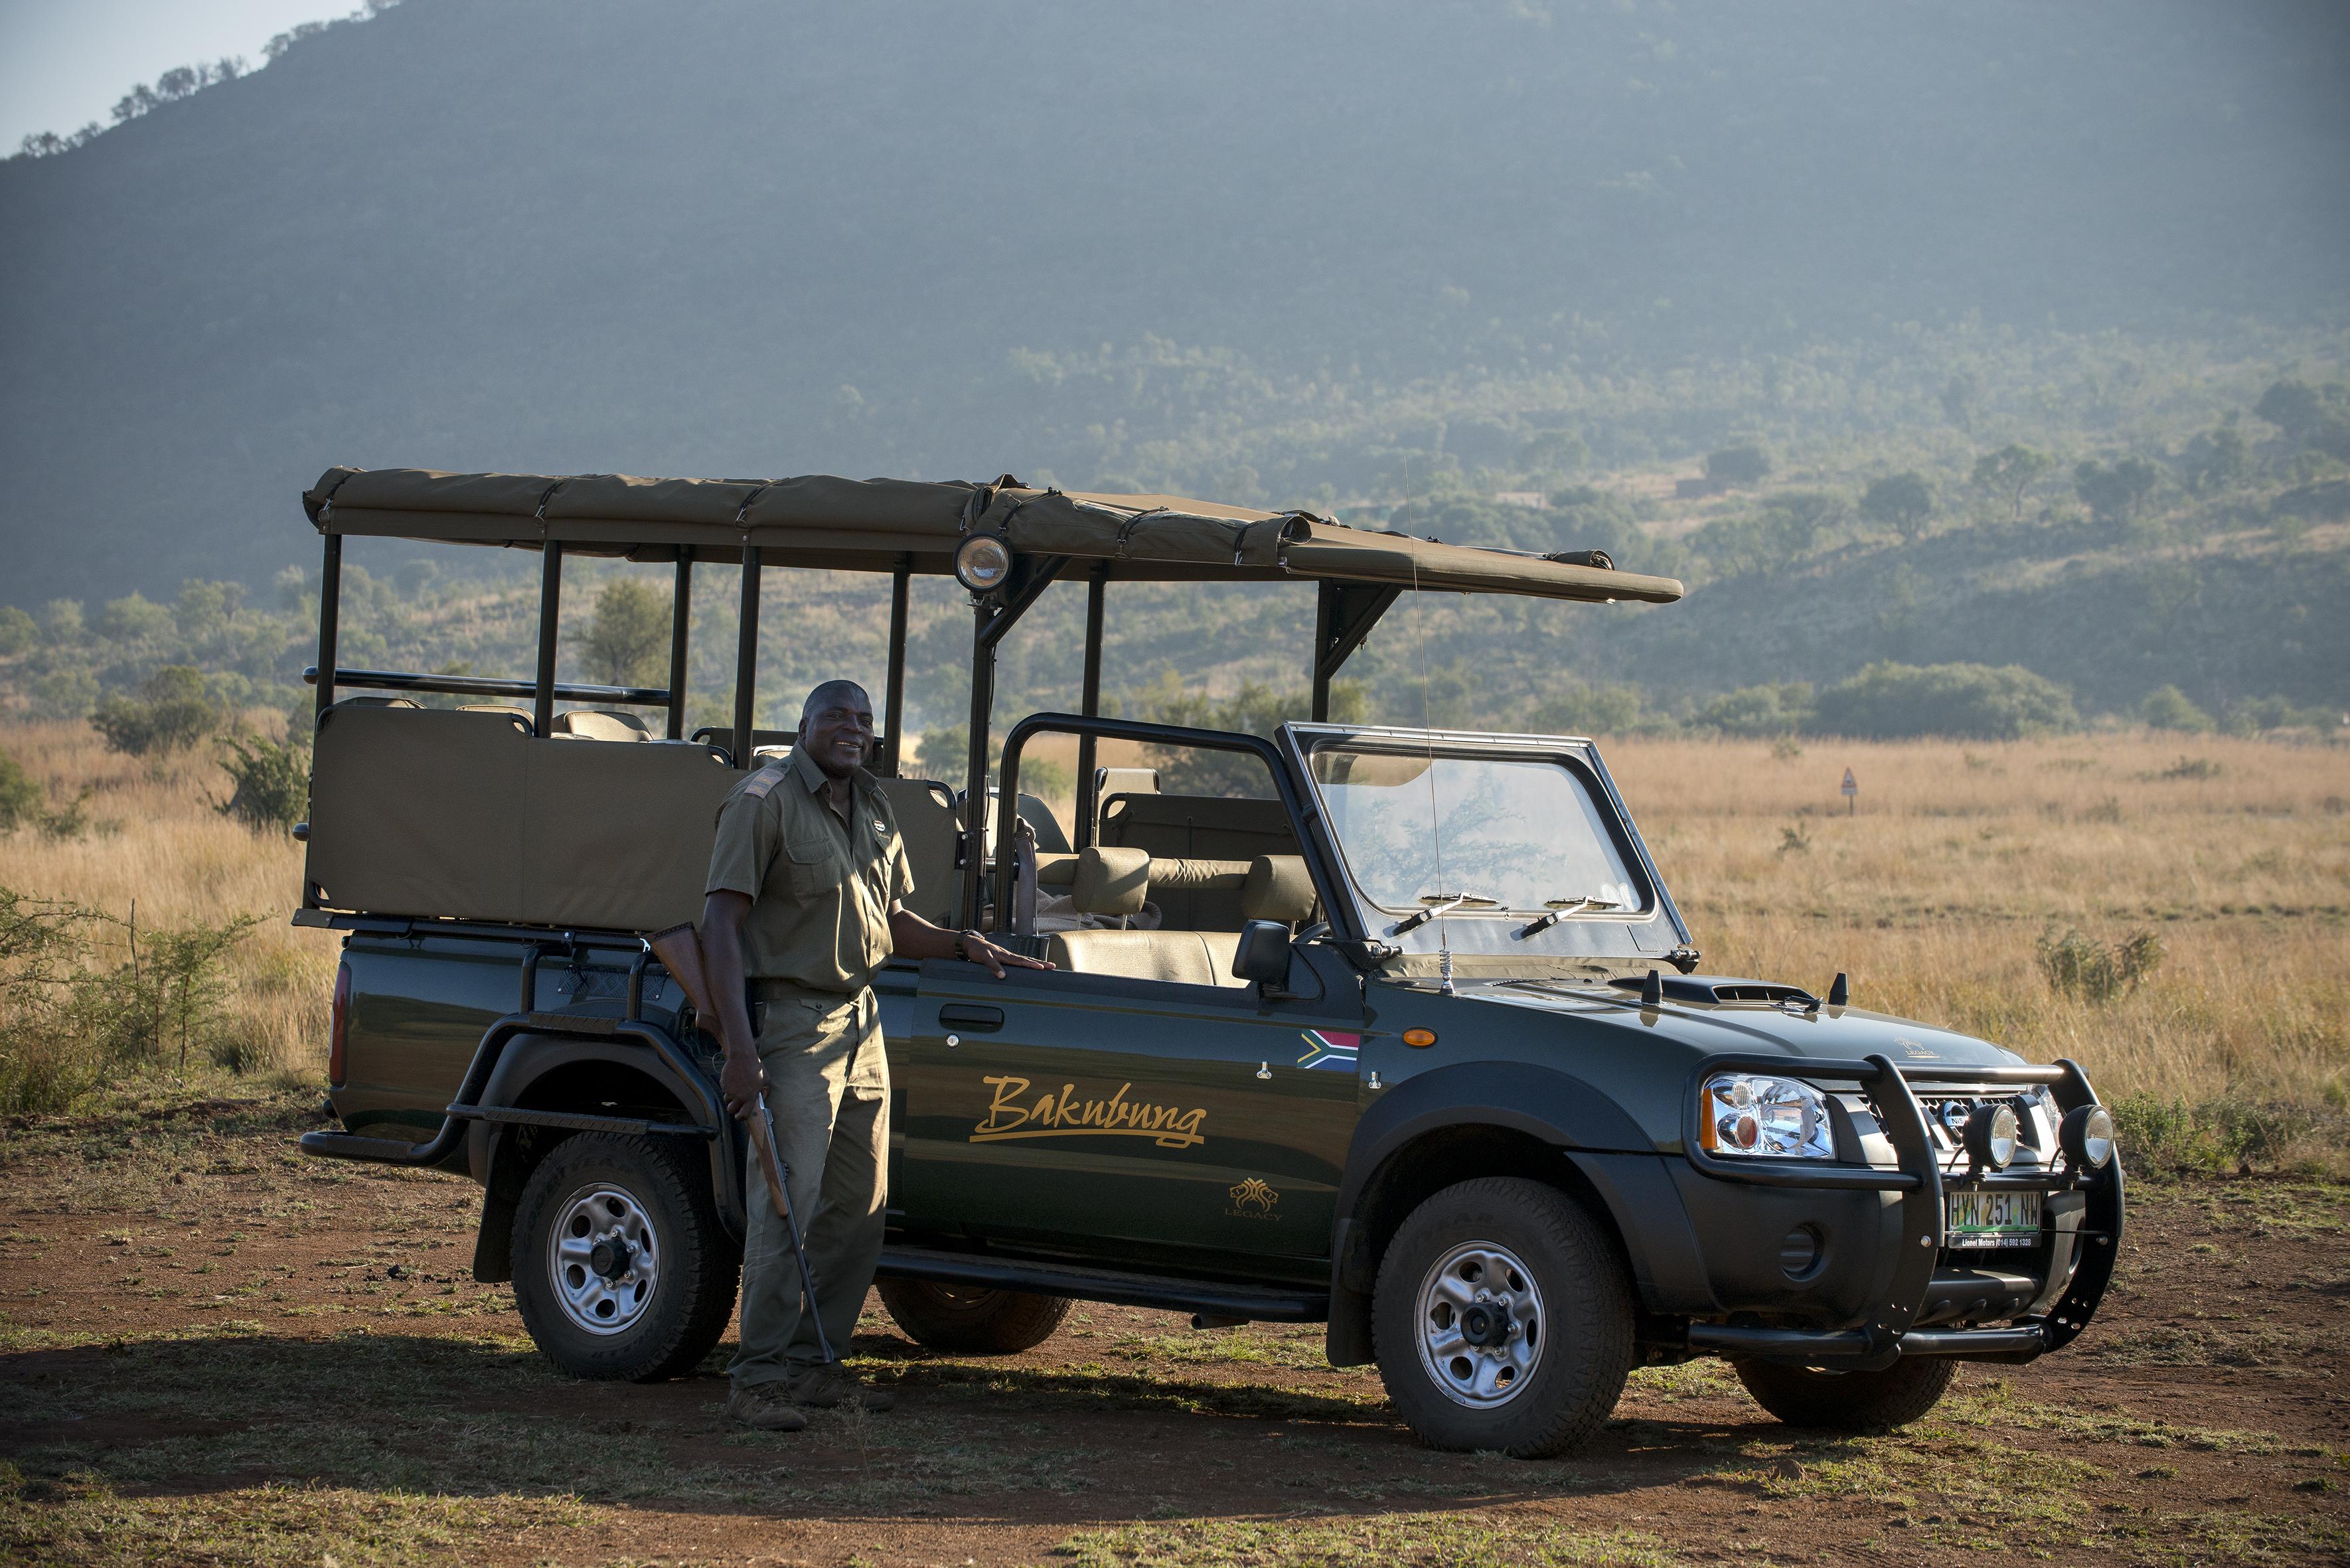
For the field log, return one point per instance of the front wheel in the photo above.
(972, 1319)
(1848, 1401)
(621, 1269)
(1503, 1320)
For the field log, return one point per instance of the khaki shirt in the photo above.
(820, 888)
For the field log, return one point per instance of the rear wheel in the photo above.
(970, 1320)
(1848, 1401)
(1503, 1320)
(621, 1269)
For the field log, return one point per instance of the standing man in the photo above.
(803, 903)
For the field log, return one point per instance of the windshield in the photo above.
(1516, 834)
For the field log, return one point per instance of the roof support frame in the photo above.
(681, 617)
(1089, 702)
(994, 616)
(330, 604)
(550, 614)
(1344, 614)
(746, 656)
(894, 717)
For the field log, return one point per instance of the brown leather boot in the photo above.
(767, 1406)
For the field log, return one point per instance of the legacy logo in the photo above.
(1011, 1115)
(1255, 1192)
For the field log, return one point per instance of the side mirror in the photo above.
(1262, 955)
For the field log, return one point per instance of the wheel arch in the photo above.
(565, 1073)
(1455, 1123)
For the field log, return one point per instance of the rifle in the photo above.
(679, 952)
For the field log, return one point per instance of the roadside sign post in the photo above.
(1851, 794)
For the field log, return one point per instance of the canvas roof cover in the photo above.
(873, 525)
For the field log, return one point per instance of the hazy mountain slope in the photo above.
(732, 237)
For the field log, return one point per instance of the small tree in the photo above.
(2009, 472)
(134, 618)
(1742, 464)
(630, 634)
(1903, 502)
(273, 783)
(2113, 493)
(2219, 459)
(1556, 452)
(22, 804)
(2168, 708)
(171, 713)
(18, 632)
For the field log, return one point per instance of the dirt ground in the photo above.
(215, 1350)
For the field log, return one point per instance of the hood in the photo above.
(1708, 1029)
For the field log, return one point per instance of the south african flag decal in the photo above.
(1330, 1048)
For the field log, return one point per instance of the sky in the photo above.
(63, 63)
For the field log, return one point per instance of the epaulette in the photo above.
(765, 779)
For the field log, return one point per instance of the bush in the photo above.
(2167, 708)
(2113, 493)
(2178, 1137)
(2250, 716)
(627, 645)
(1255, 709)
(1760, 711)
(22, 802)
(1900, 701)
(2081, 966)
(18, 632)
(1589, 711)
(133, 619)
(273, 783)
(170, 714)
(1742, 464)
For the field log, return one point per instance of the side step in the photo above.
(1254, 1303)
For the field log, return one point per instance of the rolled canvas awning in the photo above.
(879, 524)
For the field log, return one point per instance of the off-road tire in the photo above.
(1848, 1401)
(693, 1300)
(1586, 1325)
(971, 1321)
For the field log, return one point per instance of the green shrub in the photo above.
(1743, 464)
(134, 619)
(2175, 1137)
(170, 713)
(1589, 711)
(2077, 965)
(2167, 708)
(1777, 709)
(22, 802)
(1900, 701)
(273, 783)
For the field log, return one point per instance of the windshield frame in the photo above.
(1644, 932)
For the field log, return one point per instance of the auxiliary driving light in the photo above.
(1992, 1132)
(2086, 1137)
(981, 562)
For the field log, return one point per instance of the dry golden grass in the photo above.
(157, 838)
(1962, 856)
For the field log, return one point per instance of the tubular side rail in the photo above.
(466, 1107)
(490, 686)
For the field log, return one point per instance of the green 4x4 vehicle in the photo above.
(1393, 1030)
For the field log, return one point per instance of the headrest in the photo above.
(1055, 870)
(588, 724)
(1278, 888)
(1110, 881)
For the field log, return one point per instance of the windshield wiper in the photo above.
(1440, 904)
(1558, 907)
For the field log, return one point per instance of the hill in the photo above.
(1281, 253)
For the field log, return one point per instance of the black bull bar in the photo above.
(1888, 1334)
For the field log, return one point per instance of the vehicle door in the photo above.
(1124, 1116)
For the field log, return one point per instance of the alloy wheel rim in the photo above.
(1480, 1324)
(614, 1297)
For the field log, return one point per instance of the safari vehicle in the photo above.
(1393, 1030)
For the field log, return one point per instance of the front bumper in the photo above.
(1918, 1286)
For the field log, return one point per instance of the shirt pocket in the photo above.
(815, 866)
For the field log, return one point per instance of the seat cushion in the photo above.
(1180, 958)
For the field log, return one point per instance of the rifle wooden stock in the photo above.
(679, 952)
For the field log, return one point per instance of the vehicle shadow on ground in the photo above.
(478, 1416)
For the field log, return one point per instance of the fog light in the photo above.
(1992, 1132)
(981, 562)
(2087, 1136)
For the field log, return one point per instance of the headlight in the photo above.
(1747, 1114)
(2086, 1137)
(982, 562)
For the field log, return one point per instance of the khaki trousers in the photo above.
(834, 1140)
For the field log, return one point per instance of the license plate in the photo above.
(1991, 1218)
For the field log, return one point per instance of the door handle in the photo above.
(979, 1020)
